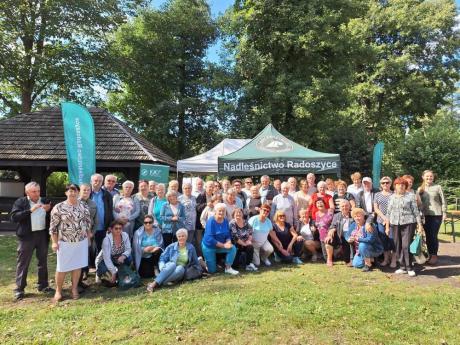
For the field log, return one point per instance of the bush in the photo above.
(55, 185)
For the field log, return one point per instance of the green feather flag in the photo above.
(377, 163)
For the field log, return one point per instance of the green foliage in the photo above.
(434, 146)
(164, 81)
(55, 184)
(54, 50)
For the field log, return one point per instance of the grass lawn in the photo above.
(307, 304)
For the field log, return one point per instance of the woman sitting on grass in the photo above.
(147, 248)
(217, 239)
(288, 246)
(310, 236)
(242, 239)
(116, 251)
(365, 240)
(177, 258)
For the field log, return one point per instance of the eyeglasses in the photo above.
(148, 222)
(385, 182)
(281, 216)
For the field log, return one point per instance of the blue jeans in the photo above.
(170, 273)
(210, 256)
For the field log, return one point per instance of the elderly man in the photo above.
(311, 184)
(198, 187)
(104, 204)
(365, 199)
(292, 181)
(31, 213)
(109, 185)
(266, 191)
(152, 187)
(277, 185)
(336, 244)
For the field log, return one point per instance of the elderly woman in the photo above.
(262, 227)
(177, 258)
(210, 210)
(302, 198)
(253, 202)
(172, 217)
(144, 196)
(285, 202)
(356, 186)
(381, 200)
(434, 208)
(337, 246)
(403, 216)
(70, 229)
(232, 202)
(157, 202)
(217, 239)
(366, 242)
(321, 194)
(147, 248)
(322, 220)
(126, 208)
(309, 234)
(116, 251)
(342, 194)
(173, 186)
(189, 202)
(287, 244)
(242, 239)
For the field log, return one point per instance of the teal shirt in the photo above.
(148, 240)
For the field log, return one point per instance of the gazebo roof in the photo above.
(39, 136)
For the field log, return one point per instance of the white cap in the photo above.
(367, 179)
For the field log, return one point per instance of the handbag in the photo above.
(416, 245)
(192, 273)
(127, 278)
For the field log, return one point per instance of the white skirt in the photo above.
(72, 255)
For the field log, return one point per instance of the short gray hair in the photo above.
(171, 193)
(220, 205)
(265, 177)
(30, 185)
(109, 176)
(85, 185)
(161, 185)
(97, 175)
(284, 185)
(182, 231)
(321, 183)
(128, 182)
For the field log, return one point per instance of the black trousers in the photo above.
(243, 256)
(403, 236)
(168, 239)
(297, 249)
(431, 226)
(39, 241)
(147, 265)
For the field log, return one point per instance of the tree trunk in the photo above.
(26, 100)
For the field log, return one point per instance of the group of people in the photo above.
(170, 236)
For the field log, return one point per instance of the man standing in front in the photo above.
(104, 213)
(31, 213)
(109, 185)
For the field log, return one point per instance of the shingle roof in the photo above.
(39, 136)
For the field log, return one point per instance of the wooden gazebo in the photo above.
(33, 145)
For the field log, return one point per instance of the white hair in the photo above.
(182, 231)
(292, 178)
(219, 206)
(344, 202)
(30, 185)
(109, 176)
(173, 182)
(171, 193)
(127, 183)
(265, 177)
(161, 185)
(284, 185)
(98, 176)
(209, 183)
(322, 183)
(231, 191)
(187, 184)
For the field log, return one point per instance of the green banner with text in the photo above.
(157, 173)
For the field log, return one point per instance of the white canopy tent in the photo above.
(207, 161)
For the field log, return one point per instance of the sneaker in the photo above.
(366, 268)
(314, 257)
(411, 273)
(297, 261)
(267, 262)
(251, 267)
(400, 271)
(47, 290)
(277, 258)
(231, 271)
(18, 295)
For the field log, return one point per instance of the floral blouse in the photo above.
(322, 224)
(70, 222)
(238, 233)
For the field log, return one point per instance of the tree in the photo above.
(55, 49)
(164, 82)
(434, 146)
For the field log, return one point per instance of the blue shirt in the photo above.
(148, 240)
(216, 232)
(260, 229)
(98, 198)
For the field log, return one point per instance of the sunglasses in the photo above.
(148, 222)
(385, 182)
(282, 216)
